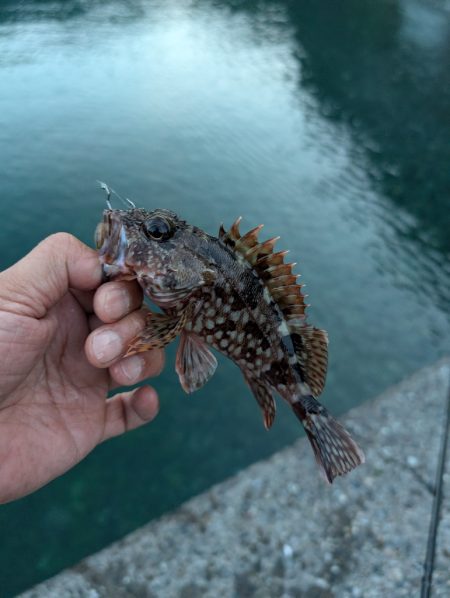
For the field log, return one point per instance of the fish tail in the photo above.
(335, 451)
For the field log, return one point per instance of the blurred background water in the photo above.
(327, 121)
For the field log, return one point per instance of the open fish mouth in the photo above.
(112, 244)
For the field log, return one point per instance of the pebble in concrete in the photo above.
(276, 529)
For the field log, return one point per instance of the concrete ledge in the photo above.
(276, 529)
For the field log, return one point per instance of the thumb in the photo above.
(40, 279)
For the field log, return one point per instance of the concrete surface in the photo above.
(276, 530)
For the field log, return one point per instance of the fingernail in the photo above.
(107, 345)
(116, 301)
(132, 367)
(146, 404)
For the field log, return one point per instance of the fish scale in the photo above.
(236, 295)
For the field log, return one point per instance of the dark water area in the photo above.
(329, 122)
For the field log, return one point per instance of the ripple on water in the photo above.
(279, 113)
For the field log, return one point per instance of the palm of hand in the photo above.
(51, 389)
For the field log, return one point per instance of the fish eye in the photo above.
(157, 228)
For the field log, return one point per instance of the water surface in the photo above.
(328, 122)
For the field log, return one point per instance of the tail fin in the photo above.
(335, 451)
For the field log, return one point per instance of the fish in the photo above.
(237, 295)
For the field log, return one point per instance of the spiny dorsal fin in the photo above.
(270, 267)
(233, 235)
(311, 348)
(249, 240)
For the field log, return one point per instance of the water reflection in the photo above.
(393, 93)
(48, 10)
(384, 74)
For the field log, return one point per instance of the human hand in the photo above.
(61, 340)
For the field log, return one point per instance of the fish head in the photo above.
(155, 247)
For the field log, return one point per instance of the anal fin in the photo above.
(264, 397)
(195, 364)
(159, 331)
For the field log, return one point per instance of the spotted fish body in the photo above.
(238, 296)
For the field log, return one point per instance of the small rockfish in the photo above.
(237, 295)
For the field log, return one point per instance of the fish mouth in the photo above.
(112, 244)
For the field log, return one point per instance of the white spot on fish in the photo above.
(209, 324)
(303, 388)
(198, 326)
(283, 329)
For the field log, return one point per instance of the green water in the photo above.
(327, 121)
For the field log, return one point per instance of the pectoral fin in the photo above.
(195, 364)
(265, 399)
(159, 331)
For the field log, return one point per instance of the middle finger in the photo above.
(134, 369)
(108, 343)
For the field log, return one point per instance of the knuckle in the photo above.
(59, 240)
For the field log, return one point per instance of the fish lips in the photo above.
(112, 272)
(112, 245)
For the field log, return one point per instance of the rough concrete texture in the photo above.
(276, 529)
(441, 577)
